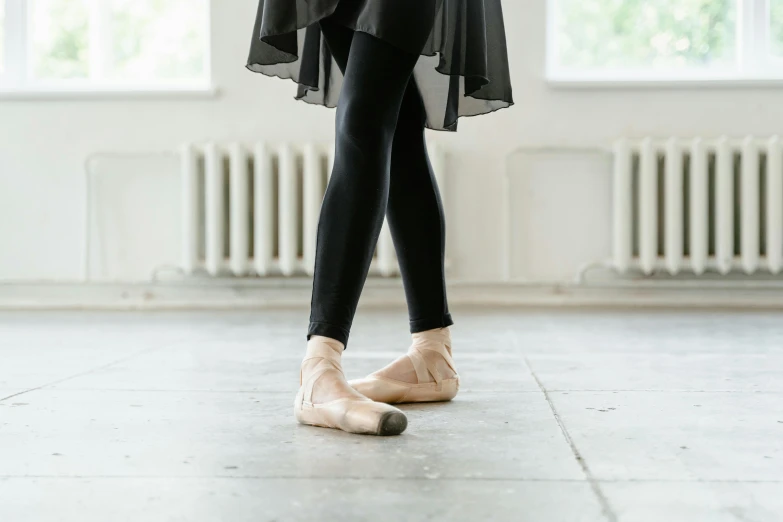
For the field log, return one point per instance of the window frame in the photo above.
(755, 65)
(18, 82)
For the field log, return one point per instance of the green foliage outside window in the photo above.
(776, 27)
(142, 39)
(664, 34)
(61, 39)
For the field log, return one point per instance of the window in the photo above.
(104, 45)
(674, 40)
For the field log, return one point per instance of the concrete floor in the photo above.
(599, 416)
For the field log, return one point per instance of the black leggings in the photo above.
(381, 168)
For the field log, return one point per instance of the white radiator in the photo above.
(698, 205)
(253, 211)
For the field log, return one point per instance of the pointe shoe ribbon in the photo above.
(434, 341)
(353, 413)
(328, 351)
(391, 391)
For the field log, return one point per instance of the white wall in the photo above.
(43, 145)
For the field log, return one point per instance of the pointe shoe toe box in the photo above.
(353, 416)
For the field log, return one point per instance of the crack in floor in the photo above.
(606, 508)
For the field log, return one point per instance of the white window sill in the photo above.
(584, 83)
(108, 93)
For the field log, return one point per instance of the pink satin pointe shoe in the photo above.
(432, 368)
(327, 400)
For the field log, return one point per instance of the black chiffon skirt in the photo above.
(463, 69)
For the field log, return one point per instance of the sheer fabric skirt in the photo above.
(463, 69)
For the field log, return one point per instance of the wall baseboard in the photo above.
(295, 293)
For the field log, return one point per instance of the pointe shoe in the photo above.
(351, 412)
(427, 348)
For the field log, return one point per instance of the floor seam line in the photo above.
(239, 392)
(467, 479)
(80, 374)
(289, 477)
(606, 508)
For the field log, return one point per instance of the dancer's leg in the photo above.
(415, 211)
(376, 77)
(416, 220)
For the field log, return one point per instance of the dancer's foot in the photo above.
(425, 374)
(326, 399)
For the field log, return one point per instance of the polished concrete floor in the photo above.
(563, 416)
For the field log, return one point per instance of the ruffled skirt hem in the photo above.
(461, 72)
